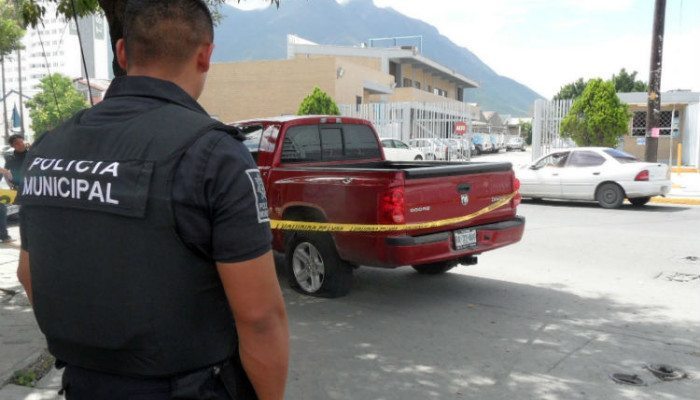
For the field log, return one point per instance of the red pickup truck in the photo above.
(351, 207)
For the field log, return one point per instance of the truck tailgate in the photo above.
(442, 197)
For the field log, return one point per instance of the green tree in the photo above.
(11, 31)
(33, 11)
(56, 101)
(571, 90)
(597, 117)
(625, 82)
(318, 103)
(526, 130)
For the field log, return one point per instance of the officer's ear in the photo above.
(204, 57)
(121, 53)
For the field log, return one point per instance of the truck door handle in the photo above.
(464, 188)
(596, 173)
(555, 174)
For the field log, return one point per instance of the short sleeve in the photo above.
(219, 200)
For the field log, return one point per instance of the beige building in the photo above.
(350, 75)
(679, 123)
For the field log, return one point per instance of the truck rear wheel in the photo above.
(434, 268)
(314, 267)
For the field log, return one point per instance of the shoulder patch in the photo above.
(260, 195)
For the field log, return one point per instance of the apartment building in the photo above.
(53, 47)
(352, 76)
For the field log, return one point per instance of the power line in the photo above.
(48, 68)
(82, 52)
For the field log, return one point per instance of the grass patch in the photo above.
(30, 375)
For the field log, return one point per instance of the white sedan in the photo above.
(396, 150)
(603, 174)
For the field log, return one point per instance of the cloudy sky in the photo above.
(547, 43)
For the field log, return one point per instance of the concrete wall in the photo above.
(664, 152)
(427, 79)
(351, 84)
(413, 94)
(252, 89)
(369, 62)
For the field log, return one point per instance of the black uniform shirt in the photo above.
(214, 194)
(14, 163)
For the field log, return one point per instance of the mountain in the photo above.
(261, 34)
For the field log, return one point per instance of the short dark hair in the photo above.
(165, 30)
(11, 140)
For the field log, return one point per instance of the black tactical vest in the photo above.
(115, 290)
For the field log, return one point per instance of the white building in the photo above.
(53, 47)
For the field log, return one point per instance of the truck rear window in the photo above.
(308, 143)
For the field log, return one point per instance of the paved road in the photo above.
(585, 294)
(588, 292)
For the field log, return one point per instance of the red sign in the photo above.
(460, 128)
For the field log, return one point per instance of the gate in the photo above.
(413, 120)
(546, 127)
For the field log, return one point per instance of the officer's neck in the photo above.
(187, 80)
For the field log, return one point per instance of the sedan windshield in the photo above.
(621, 156)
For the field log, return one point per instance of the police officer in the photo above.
(145, 242)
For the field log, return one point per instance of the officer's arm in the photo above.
(23, 273)
(261, 321)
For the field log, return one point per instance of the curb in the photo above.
(684, 170)
(23, 364)
(687, 201)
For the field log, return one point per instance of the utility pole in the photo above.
(21, 96)
(654, 97)
(4, 99)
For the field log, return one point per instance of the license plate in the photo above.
(465, 238)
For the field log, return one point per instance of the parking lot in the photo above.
(587, 293)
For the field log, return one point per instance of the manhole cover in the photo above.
(666, 372)
(627, 379)
(681, 277)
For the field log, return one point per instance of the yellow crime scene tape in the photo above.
(7, 196)
(333, 227)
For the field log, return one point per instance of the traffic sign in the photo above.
(460, 128)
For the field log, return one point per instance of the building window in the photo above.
(407, 82)
(358, 102)
(639, 123)
(416, 84)
(99, 28)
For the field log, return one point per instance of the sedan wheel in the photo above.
(639, 201)
(610, 195)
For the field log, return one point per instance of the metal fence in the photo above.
(411, 121)
(546, 126)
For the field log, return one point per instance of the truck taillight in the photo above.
(516, 188)
(642, 176)
(391, 206)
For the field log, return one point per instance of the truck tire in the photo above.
(418, 158)
(610, 195)
(639, 201)
(314, 268)
(434, 268)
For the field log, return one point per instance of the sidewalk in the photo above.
(21, 341)
(685, 190)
